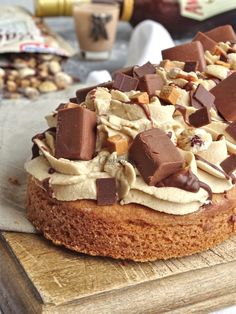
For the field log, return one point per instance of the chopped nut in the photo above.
(34, 82)
(141, 98)
(26, 72)
(71, 105)
(167, 65)
(224, 64)
(31, 92)
(62, 80)
(11, 86)
(170, 94)
(117, 143)
(217, 71)
(54, 67)
(47, 86)
(43, 74)
(25, 83)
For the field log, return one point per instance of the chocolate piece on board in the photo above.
(203, 96)
(187, 52)
(106, 191)
(76, 133)
(222, 33)
(150, 83)
(207, 42)
(190, 66)
(82, 93)
(229, 164)
(155, 156)
(125, 83)
(200, 118)
(231, 130)
(225, 97)
(147, 68)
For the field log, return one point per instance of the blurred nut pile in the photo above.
(30, 75)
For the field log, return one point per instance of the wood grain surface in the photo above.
(37, 277)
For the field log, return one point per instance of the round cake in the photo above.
(143, 167)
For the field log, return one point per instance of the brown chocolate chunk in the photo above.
(203, 96)
(190, 66)
(155, 156)
(127, 71)
(231, 130)
(187, 52)
(150, 83)
(106, 191)
(222, 33)
(82, 93)
(200, 118)
(147, 68)
(225, 97)
(125, 83)
(207, 42)
(76, 133)
(73, 100)
(194, 103)
(229, 164)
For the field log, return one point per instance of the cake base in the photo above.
(132, 231)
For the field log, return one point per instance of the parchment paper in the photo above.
(19, 121)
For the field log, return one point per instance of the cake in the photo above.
(143, 167)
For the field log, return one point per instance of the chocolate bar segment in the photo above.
(207, 42)
(76, 133)
(229, 164)
(200, 118)
(155, 156)
(231, 130)
(125, 83)
(204, 97)
(190, 66)
(225, 97)
(82, 93)
(106, 191)
(147, 68)
(222, 33)
(187, 52)
(127, 71)
(150, 83)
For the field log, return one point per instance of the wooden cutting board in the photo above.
(37, 277)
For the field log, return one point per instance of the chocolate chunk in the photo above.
(150, 83)
(194, 103)
(155, 156)
(190, 66)
(203, 96)
(106, 191)
(82, 93)
(222, 33)
(183, 179)
(76, 133)
(207, 42)
(61, 106)
(125, 83)
(225, 97)
(200, 118)
(73, 100)
(187, 52)
(127, 71)
(147, 68)
(231, 130)
(229, 164)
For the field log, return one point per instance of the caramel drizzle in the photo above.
(183, 111)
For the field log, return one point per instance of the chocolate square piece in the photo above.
(106, 191)
(187, 52)
(222, 33)
(127, 71)
(150, 83)
(82, 93)
(155, 156)
(190, 66)
(229, 164)
(225, 97)
(124, 82)
(76, 133)
(194, 103)
(200, 118)
(231, 130)
(207, 42)
(204, 97)
(147, 68)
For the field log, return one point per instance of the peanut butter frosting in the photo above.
(202, 148)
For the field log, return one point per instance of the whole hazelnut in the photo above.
(11, 86)
(31, 92)
(54, 67)
(26, 72)
(63, 80)
(47, 86)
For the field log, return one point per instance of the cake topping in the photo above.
(124, 82)
(229, 164)
(187, 52)
(231, 130)
(147, 68)
(190, 66)
(225, 96)
(82, 92)
(204, 97)
(200, 118)
(106, 191)
(76, 133)
(155, 156)
(222, 33)
(118, 144)
(207, 42)
(140, 98)
(150, 83)
(170, 94)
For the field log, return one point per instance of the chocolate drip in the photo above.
(35, 151)
(206, 188)
(183, 112)
(213, 166)
(146, 110)
(47, 187)
(51, 170)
